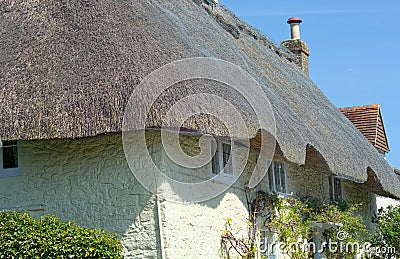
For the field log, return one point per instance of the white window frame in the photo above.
(332, 193)
(218, 146)
(273, 183)
(9, 172)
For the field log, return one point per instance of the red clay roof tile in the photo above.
(368, 120)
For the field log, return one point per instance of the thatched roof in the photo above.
(67, 69)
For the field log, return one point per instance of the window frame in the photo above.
(332, 190)
(273, 184)
(217, 146)
(10, 172)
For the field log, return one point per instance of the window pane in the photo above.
(226, 155)
(10, 154)
(283, 178)
(226, 152)
(215, 162)
(278, 185)
(335, 188)
(271, 179)
(338, 188)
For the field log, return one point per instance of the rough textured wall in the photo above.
(86, 180)
(305, 181)
(193, 230)
(383, 202)
(302, 52)
(356, 194)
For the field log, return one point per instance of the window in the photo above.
(9, 164)
(277, 177)
(268, 244)
(335, 188)
(222, 160)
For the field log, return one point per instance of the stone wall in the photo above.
(304, 181)
(356, 194)
(302, 52)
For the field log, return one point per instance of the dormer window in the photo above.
(9, 163)
(335, 188)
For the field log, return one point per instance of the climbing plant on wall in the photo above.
(292, 219)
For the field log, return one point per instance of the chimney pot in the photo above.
(296, 45)
(294, 27)
(294, 20)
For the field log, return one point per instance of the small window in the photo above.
(9, 164)
(277, 177)
(335, 188)
(222, 160)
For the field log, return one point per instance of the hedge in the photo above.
(21, 236)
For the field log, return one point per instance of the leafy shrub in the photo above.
(387, 233)
(21, 236)
(293, 219)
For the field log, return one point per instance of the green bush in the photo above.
(387, 233)
(24, 237)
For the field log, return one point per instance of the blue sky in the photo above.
(355, 50)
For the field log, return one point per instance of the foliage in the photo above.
(292, 219)
(21, 236)
(351, 225)
(387, 232)
(245, 248)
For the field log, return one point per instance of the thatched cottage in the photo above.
(67, 73)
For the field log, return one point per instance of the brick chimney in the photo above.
(296, 45)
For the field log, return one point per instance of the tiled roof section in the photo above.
(368, 120)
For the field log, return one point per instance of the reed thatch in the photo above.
(67, 69)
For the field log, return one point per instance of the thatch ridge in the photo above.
(67, 69)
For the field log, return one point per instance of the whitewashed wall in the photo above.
(89, 181)
(193, 230)
(384, 202)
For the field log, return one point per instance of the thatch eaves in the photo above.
(67, 69)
